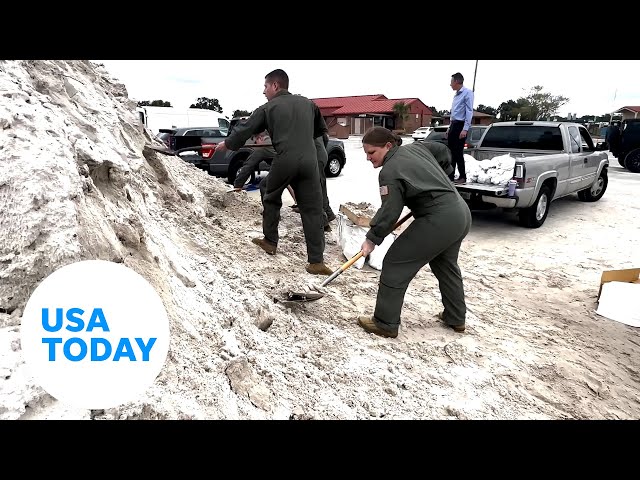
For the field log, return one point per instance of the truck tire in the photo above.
(621, 162)
(535, 215)
(595, 191)
(632, 161)
(235, 166)
(334, 165)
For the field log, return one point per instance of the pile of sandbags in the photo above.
(497, 171)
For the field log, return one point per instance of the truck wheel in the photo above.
(596, 191)
(621, 161)
(334, 166)
(535, 215)
(632, 161)
(234, 168)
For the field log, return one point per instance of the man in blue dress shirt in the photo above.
(461, 114)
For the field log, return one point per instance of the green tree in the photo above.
(208, 104)
(488, 110)
(240, 113)
(154, 103)
(509, 110)
(401, 109)
(543, 105)
(435, 112)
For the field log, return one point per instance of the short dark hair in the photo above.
(379, 136)
(458, 77)
(279, 76)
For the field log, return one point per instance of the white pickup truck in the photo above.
(552, 160)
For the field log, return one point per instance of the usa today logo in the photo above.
(95, 334)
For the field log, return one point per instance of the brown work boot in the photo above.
(319, 269)
(266, 245)
(371, 325)
(460, 180)
(456, 328)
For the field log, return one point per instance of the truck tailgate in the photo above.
(484, 189)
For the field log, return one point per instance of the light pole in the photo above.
(474, 77)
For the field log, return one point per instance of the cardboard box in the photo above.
(630, 275)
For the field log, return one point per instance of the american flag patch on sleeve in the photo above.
(384, 190)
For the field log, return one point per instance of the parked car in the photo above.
(473, 135)
(337, 157)
(421, 133)
(199, 150)
(164, 134)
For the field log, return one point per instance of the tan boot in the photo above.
(371, 325)
(267, 246)
(319, 269)
(456, 328)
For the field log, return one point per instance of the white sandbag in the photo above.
(483, 177)
(472, 167)
(377, 256)
(502, 178)
(485, 164)
(506, 162)
(350, 238)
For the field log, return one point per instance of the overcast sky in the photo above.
(593, 87)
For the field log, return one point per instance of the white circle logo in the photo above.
(95, 334)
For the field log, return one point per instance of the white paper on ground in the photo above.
(620, 301)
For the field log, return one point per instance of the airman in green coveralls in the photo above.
(411, 176)
(440, 151)
(293, 122)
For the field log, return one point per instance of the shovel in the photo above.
(310, 296)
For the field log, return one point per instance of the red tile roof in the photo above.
(633, 109)
(360, 104)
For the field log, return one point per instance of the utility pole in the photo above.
(474, 77)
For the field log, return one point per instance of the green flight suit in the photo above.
(411, 176)
(441, 152)
(323, 158)
(293, 122)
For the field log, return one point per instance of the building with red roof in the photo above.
(355, 115)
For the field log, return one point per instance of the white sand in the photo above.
(76, 183)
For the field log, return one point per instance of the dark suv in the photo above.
(624, 144)
(473, 135)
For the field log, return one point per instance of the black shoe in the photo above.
(331, 217)
(327, 228)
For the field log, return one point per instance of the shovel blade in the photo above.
(304, 296)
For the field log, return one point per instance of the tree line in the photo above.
(535, 105)
(201, 102)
